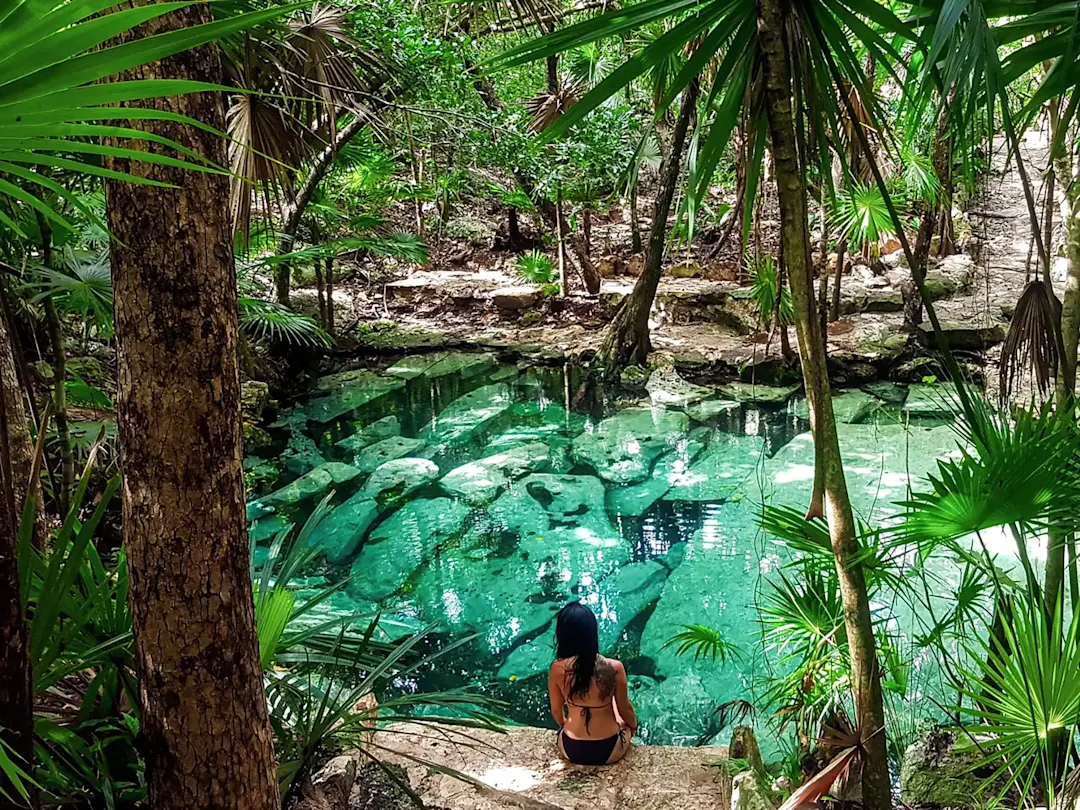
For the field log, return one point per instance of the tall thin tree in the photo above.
(205, 725)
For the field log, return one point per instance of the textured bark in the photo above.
(16, 682)
(829, 473)
(635, 223)
(627, 340)
(205, 728)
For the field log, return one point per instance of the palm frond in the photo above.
(704, 642)
(272, 321)
(862, 217)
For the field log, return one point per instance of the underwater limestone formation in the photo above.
(379, 430)
(468, 415)
(705, 589)
(397, 479)
(712, 410)
(460, 364)
(635, 499)
(399, 545)
(755, 392)
(849, 407)
(678, 710)
(623, 447)
(391, 448)
(938, 400)
(668, 390)
(305, 488)
(348, 391)
(480, 482)
(721, 471)
(339, 533)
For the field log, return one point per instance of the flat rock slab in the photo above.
(720, 471)
(671, 467)
(480, 482)
(965, 336)
(938, 399)
(309, 486)
(462, 364)
(712, 409)
(623, 447)
(402, 543)
(667, 389)
(377, 431)
(349, 391)
(468, 415)
(521, 770)
(370, 458)
(397, 479)
(753, 392)
(849, 407)
(338, 535)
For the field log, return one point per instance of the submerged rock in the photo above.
(381, 429)
(676, 711)
(399, 478)
(720, 471)
(849, 407)
(468, 415)
(375, 455)
(266, 528)
(347, 392)
(466, 366)
(479, 482)
(754, 392)
(310, 486)
(703, 590)
(338, 535)
(408, 368)
(667, 388)
(635, 499)
(935, 400)
(402, 543)
(712, 409)
(623, 447)
(888, 392)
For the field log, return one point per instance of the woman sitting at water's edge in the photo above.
(589, 696)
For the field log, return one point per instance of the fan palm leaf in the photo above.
(57, 94)
(272, 321)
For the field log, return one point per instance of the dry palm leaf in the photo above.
(1032, 342)
(546, 108)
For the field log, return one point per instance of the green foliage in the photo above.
(536, 268)
(765, 289)
(57, 103)
(704, 642)
(18, 779)
(920, 181)
(862, 217)
(271, 321)
(82, 287)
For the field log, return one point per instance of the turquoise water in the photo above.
(482, 497)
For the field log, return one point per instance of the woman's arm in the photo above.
(555, 694)
(622, 697)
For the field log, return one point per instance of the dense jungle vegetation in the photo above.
(176, 178)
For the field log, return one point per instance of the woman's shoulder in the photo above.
(614, 663)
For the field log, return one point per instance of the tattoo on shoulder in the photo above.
(605, 677)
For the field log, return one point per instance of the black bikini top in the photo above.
(586, 711)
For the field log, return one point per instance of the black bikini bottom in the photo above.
(590, 752)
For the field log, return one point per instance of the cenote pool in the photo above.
(482, 496)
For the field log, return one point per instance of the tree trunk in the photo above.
(560, 239)
(513, 228)
(627, 340)
(635, 223)
(330, 294)
(834, 303)
(829, 472)
(320, 286)
(913, 306)
(16, 680)
(205, 727)
(586, 228)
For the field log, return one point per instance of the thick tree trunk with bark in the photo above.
(829, 472)
(627, 340)
(205, 728)
(16, 681)
(635, 224)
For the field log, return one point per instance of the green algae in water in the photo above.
(511, 491)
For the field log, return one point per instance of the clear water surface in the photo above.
(482, 497)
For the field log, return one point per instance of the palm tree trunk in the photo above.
(205, 725)
(320, 287)
(16, 681)
(627, 340)
(330, 294)
(829, 473)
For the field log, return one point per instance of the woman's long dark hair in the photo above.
(576, 637)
